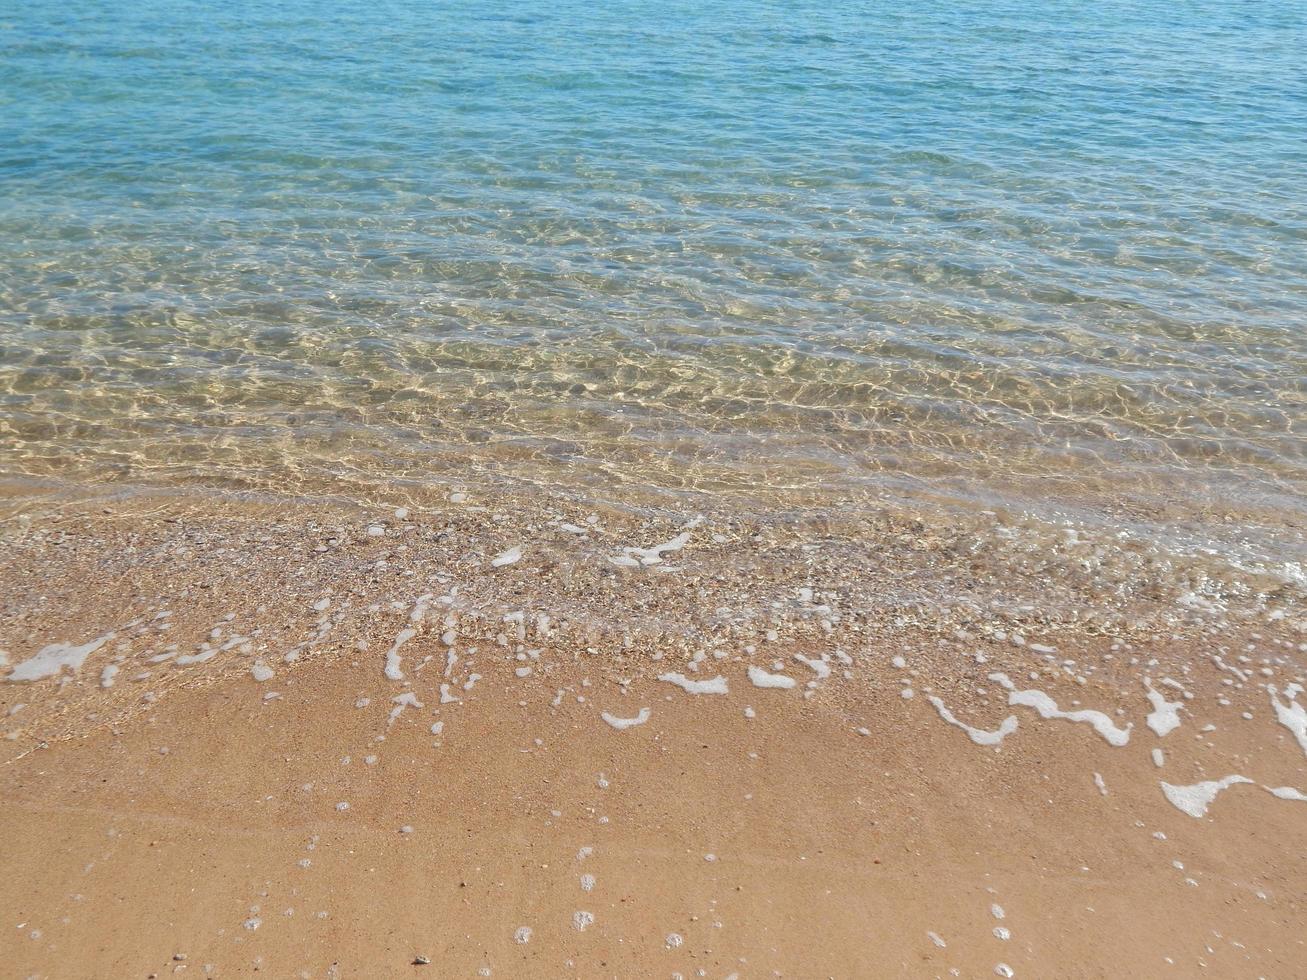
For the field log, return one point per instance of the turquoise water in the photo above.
(1049, 253)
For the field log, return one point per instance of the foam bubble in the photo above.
(52, 659)
(1048, 708)
(1165, 716)
(621, 724)
(1194, 800)
(393, 659)
(761, 678)
(977, 735)
(716, 685)
(1291, 715)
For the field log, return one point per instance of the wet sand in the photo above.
(165, 810)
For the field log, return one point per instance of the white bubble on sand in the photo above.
(1165, 716)
(621, 724)
(522, 936)
(977, 735)
(1195, 799)
(716, 685)
(761, 678)
(587, 883)
(673, 940)
(582, 920)
(393, 659)
(401, 701)
(1291, 715)
(53, 658)
(818, 667)
(261, 672)
(1048, 708)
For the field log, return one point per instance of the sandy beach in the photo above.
(325, 741)
(735, 490)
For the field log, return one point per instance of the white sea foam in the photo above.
(508, 557)
(393, 659)
(1194, 800)
(1289, 713)
(52, 659)
(1048, 708)
(716, 685)
(761, 678)
(818, 667)
(621, 724)
(401, 701)
(977, 735)
(1165, 716)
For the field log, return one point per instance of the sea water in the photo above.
(1047, 258)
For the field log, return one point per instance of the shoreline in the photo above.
(250, 647)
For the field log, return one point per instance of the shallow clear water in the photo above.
(1052, 254)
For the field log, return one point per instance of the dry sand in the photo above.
(188, 819)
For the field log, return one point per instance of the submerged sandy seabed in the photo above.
(520, 740)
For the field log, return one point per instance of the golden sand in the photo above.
(177, 815)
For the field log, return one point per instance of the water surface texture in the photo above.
(1048, 254)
